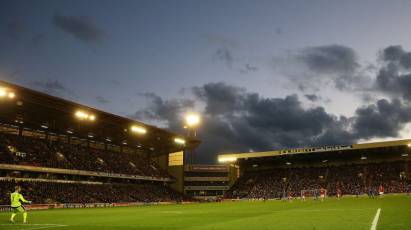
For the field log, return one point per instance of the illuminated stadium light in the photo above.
(192, 120)
(6, 93)
(19, 121)
(226, 159)
(11, 95)
(179, 141)
(3, 92)
(138, 129)
(81, 115)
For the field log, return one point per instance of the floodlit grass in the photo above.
(347, 213)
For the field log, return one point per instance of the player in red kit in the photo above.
(339, 193)
(290, 195)
(322, 194)
(381, 190)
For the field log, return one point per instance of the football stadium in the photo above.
(205, 115)
(87, 169)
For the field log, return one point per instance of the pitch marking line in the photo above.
(375, 221)
(36, 226)
(321, 210)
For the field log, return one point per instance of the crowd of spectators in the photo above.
(28, 150)
(349, 179)
(52, 192)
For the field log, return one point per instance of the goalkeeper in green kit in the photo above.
(16, 200)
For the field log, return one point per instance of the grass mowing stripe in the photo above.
(375, 221)
(36, 226)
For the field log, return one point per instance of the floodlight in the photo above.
(226, 159)
(179, 141)
(3, 92)
(192, 119)
(138, 129)
(81, 115)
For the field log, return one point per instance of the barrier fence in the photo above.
(7, 208)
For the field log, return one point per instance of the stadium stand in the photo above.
(63, 152)
(49, 192)
(355, 169)
(351, 179)
(30, 151)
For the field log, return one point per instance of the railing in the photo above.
(205, 188)
(81, 172)
(206, 179)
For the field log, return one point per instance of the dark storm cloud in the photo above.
(80, 27)
(383, 119)
(220, 98)
(337, 62)
(237, 120)
(164, 110)
(312, 97)
(102, 100)
(394, 77)
(324, 66)
(330, 59)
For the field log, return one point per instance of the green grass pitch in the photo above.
(347, 213)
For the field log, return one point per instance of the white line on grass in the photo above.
(320, 210)
(375, 221)
(36, 226)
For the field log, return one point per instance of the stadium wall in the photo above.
(175, 167)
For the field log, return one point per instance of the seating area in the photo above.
(49, 192)
(350, 179)
(37, 152)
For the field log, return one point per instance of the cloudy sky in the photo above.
(264, 74)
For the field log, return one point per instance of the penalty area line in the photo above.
(375, 220)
